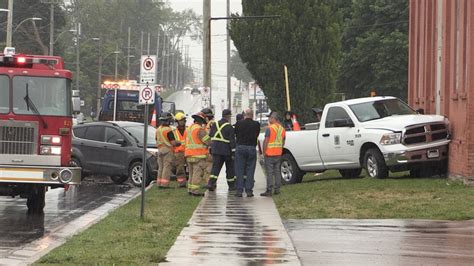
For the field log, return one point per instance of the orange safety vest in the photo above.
(179, 138)
(275, 141)
(162, 137)
(194, 146)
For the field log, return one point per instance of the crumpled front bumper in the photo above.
(427, 153)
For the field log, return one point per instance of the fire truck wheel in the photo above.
(35, 201)
(119, 179)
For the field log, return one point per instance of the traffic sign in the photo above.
(148, 69)
(146, 95)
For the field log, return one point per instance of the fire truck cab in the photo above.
(35, 127)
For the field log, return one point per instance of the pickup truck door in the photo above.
(336, 139)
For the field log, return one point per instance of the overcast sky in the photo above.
(219, 50)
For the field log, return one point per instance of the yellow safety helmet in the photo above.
(179, 116)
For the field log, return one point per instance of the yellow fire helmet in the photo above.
(179, 116)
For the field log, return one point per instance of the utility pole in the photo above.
(116, 65)
(229, 92)
(51, 30)
(141, 44)
(172, 68)
(168, 53)
(207, 47)
(163, 53)
(10, 23)
(99, 79)
(158, 55)
(128, 54)
(78, 55)
(148, 45)
(177, 67)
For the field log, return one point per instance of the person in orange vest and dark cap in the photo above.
(165, 141)
(196, 151)
(222, 148)
(180, 161)
(272, 150)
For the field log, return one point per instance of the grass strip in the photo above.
(397, 197)
(123, 238)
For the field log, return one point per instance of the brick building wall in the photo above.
(441, 71)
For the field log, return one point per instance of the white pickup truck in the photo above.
(379, 134)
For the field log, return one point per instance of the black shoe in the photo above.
(276, 192)
(231, 186)
(238, 195)
(197, 194)
(163, 187)
(250, 195)
(267, 193)
(190, 193)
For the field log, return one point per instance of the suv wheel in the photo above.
(135, 173)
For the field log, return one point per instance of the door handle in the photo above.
(326, 135)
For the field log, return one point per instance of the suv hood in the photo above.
(399, 122)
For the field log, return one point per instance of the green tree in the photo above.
(375, 49)
(306, 38)
(238, 69)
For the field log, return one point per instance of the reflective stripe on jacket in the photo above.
(194, 146)
(180, 139)
(162, 136)
(275, 141)
(218, 135)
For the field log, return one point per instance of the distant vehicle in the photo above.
(187, 88)
(114, 149)
(127, 106)
(379, 134)
(195, 91)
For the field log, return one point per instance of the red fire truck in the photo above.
(35, 127)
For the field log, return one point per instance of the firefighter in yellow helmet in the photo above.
(166, 142)
(179, 136)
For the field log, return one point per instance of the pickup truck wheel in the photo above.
(119, 179)
(375, 164)
(290, 172)
(35, 201)
(135, 173)
(350, 173)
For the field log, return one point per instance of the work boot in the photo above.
(183, 185)
(276, 192)
(238, 194)
(163, 187)
(211, 185)
(197, 194)
(249, 194)
(267, 193)
(231, 185)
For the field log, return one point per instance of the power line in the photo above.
(379, 24)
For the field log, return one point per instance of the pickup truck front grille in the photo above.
(425, 133)
(18, 137)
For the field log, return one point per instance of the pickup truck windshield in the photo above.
(4, 95)
(51, 96)
(380, 109)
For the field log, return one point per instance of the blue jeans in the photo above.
(245, 161)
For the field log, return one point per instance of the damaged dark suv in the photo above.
(114, 149)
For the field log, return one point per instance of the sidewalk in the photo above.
(226, 230)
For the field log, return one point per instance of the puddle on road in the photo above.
(17, 227)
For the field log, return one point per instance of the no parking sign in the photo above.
(146, 95)
(148, 69)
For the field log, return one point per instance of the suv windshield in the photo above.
(5, 94)
(137, 132)
(51, 96)
(380, 109)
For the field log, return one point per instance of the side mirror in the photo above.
(121, 142)
(421, 111)
(343, 123)
(76, 101)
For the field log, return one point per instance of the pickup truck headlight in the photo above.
(391, 138)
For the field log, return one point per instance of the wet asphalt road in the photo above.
(382, 242)
(18, 228)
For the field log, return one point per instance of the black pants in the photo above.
(217, 163)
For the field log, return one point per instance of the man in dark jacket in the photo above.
(222, 149)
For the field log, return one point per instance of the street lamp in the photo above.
(19, 24)
(59, 35)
